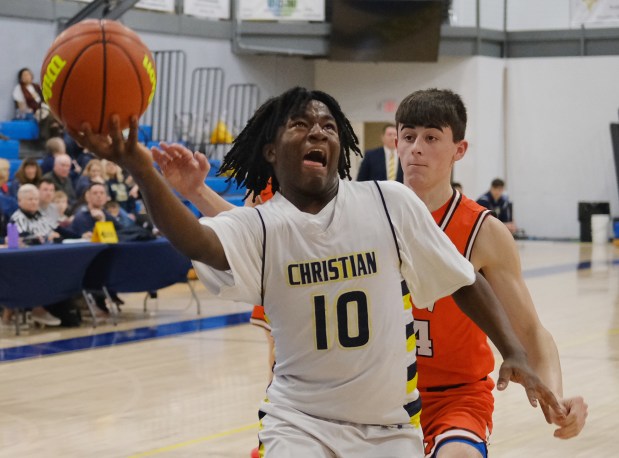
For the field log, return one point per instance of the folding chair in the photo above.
(132, 267)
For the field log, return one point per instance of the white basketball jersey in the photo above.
(333, 290)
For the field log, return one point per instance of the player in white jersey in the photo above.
(327, 259)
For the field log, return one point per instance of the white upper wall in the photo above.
(521, 14)
(558, 136)
(24, 44)
(542, 124)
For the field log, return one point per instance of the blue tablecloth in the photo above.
(45, 274)
(130, 267)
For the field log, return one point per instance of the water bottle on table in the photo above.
(12, 235)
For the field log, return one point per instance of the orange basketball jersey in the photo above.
(451, 349)
(266, 193)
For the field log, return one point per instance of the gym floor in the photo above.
(170, 383)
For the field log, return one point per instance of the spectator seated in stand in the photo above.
(29, 104)
(92, 173)
(46, 205)
(53, 147)
(120, 216)
(61, 201)
(5, 168)
(120, 189)
(60, 176)
(8, 203)
(34, 229)
(497, 201)
(28, 172)
(84, 220)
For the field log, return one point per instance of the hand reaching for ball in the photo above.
(129, 154)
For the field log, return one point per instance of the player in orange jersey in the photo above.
(454, 358)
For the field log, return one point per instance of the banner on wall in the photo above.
(157, 5)
(596, 13)
(288, 10)
(209, 9)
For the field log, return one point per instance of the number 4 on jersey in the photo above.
(424, 342)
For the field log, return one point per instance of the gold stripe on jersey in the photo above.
(406, 296)
(412, 384)
(411, 339)
(332, 269)
(414, 411)
(413, 408)
(412, 374)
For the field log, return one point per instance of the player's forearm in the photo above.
(543, 357)
(208, 201)
(481, 305)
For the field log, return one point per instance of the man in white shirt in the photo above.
(48, 209)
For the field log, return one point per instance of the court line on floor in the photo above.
(170, 448)
(562, 268)
(108, 339)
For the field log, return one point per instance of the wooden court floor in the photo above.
(169, 394)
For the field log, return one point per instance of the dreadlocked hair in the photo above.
(245, 162)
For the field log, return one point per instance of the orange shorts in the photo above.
(464, 412)
(259, 318)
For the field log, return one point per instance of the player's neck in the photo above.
(435, 196)
(312, 204)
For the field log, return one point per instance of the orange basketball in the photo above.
(94, 69)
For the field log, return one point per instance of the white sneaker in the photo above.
(46, 319)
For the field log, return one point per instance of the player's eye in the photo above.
(298, 123)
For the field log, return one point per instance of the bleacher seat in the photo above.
(235, 199)
(9, 149)
(149, 145)
(14, 165)
(218, 184)
(145, 133)
(20, 129)
(215, 164)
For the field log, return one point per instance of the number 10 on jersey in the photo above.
(351, 311)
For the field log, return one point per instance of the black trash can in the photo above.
(585, 210)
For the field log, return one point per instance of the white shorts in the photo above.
(288, 433)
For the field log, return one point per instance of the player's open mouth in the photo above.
(315, 158)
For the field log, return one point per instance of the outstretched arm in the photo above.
(186, 172)
(481, 305)
(173, 219)
(496, 255)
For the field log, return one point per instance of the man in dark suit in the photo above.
(382, 163)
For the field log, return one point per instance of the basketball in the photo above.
(94, 69)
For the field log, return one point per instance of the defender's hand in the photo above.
(521, 373)
(184, 170)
